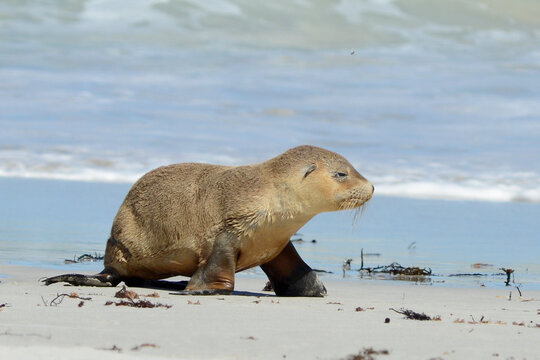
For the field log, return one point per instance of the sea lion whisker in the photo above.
(359, 213)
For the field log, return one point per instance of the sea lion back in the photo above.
(162, 225)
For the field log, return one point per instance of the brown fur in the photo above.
(171, 216)
(210, 221)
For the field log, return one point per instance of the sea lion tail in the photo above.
(105, 278)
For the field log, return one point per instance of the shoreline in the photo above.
(479, 278)
(474, 322)
(45, 222)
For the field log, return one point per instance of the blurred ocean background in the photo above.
(435, 100)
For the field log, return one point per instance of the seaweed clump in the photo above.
(367, 354)
(132, 301)
(84, 258)
(396, 269)
(413, 315)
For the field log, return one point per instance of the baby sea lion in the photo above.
(210, 221)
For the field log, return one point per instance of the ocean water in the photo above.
(428, 99)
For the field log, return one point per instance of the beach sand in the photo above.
(475, 323)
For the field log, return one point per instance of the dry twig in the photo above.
(60, 297)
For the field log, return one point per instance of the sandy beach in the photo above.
(475, 323)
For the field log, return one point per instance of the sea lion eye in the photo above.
(340, 175)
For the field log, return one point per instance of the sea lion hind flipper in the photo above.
(103, 279)
(291, 276)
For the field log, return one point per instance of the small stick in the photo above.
(508, 275)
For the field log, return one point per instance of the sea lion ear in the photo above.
(309, 169)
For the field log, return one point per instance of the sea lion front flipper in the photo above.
(216, 276)
(103, 279)
(291, 276)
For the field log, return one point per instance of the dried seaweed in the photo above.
(113, 348)
(153, 295)
(132, 296)
(136, 348)
(137, 304)
(124, 293)
(396, 269)
(84, 258)
(481, 265)
(413, 315)
(367, 354)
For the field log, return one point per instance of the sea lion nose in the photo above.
(372, 188)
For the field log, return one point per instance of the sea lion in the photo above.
(210, 221)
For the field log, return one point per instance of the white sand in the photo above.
(267, 327)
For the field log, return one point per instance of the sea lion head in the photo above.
(324, 180)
